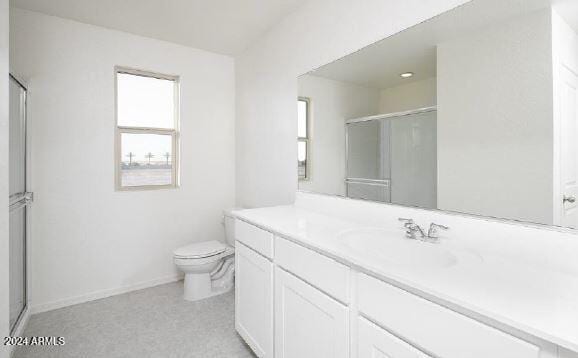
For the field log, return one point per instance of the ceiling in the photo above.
(414, 50)
(222, 26)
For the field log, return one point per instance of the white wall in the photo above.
(413, 95)
(495, 125)
(315, 34)
(332, 103)
(4, 325)
(87, 239)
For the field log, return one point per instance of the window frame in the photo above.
(174, 132)
(306, 140)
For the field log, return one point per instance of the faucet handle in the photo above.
(411, 234)
(406, 222)
(433, 230)
(413, 229)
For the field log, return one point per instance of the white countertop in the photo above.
(535, 300)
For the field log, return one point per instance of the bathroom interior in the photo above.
(289, 178)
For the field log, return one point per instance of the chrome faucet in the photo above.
(433, 233)
(415, 232)
(412, 229)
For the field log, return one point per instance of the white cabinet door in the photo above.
(308, 323)
(254, 300)
(375, 342)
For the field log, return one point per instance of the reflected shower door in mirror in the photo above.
(392, 158)
(474, 111)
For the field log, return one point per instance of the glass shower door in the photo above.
(367, 162)
(19, 199)
(392, 158)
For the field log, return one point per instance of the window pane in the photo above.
(147, 159)
(302, 119)
(302, 159)
(145, 101)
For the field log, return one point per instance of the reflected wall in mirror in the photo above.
(474, 111)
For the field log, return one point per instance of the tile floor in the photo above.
(154, 322)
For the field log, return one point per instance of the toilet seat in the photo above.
(200, 250)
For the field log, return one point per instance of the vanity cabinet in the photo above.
(254, 300)
(308, 323)
(295, 302)
(375, 342)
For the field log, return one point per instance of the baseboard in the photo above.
(102, 294)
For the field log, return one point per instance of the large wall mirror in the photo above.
(474, 111)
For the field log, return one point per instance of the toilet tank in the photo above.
(229, 222)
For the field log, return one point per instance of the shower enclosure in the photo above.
(19, 200)
(393, 158)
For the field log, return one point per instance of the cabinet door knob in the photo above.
(569, 199)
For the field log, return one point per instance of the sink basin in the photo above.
(390, 246)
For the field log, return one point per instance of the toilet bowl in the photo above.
(208, 265)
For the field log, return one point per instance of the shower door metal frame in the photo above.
(23, 200)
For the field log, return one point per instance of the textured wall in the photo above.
(88, 239)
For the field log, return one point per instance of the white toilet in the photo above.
(209, 266)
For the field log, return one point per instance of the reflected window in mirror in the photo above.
(303, 138)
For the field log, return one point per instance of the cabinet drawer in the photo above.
(326, 274)
(257, 239)
(376, 342)
(436, 329)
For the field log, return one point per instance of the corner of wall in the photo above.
(4, 262)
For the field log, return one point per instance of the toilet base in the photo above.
(199, 286)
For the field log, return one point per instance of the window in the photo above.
(147, 113)
(303, 145)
